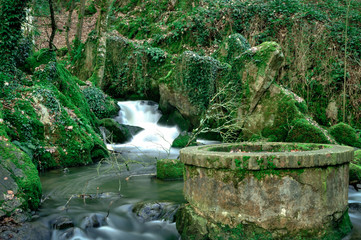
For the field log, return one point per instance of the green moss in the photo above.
(232, 47)
(184, 140)
(357, 157)
(303, 131)
(169, 169)
(43, 56)
(355, 173)
(28, 180)
(345, 134)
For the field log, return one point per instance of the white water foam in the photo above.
(154, 138)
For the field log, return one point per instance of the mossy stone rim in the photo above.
(205, 156)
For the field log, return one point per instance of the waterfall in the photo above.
(154, 138)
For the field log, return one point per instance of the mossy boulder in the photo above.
(51, 120)
(191, 85)
(184, 139)
(21, 185)
(116, 133)
(169, 169)
(269, 110)
(304, 131)
(132, 69)
(345, 134)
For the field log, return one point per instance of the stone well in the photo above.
(265, 191)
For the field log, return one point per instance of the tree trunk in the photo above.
(53, 25)
(68, 25)
(79, 29)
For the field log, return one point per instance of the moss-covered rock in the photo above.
(19, 167)
(117, 133)
(132, 69)
(169, 169)
(184, 139)
(304, 131)
(345, 134)
(51, 120)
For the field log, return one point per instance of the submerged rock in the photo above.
(114, 132)
(153, 211)
(95, 220)
(62, 222)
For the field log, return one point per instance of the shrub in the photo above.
(101, 104)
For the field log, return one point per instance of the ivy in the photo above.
(12, 15)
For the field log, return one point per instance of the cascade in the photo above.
(154, 139)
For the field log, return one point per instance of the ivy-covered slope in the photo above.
(47, 120)
(311, 35)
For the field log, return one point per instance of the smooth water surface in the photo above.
(81, 192)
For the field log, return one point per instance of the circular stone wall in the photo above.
(265, 191)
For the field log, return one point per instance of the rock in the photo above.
(355, 175)
(153, 211)
(19, 180)
(133, 130)
(175, 118)
(179, 100)
(68, 234)
(305, 132)
(332, 111)
(191, 224)
(115, 133)
(169, 169)
(183, 139)
(62, 222)
(94, 221)
(26, 231)
(354, 207)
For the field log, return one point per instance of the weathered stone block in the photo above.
(284, 189)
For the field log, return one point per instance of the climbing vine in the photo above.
(12, 15)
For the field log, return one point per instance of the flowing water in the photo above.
(95, 202)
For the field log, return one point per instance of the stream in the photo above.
(96, 201)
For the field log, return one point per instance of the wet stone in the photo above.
(94, 221)
(146, 212)
(354, 207)
(62, 222)
(68, 234)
